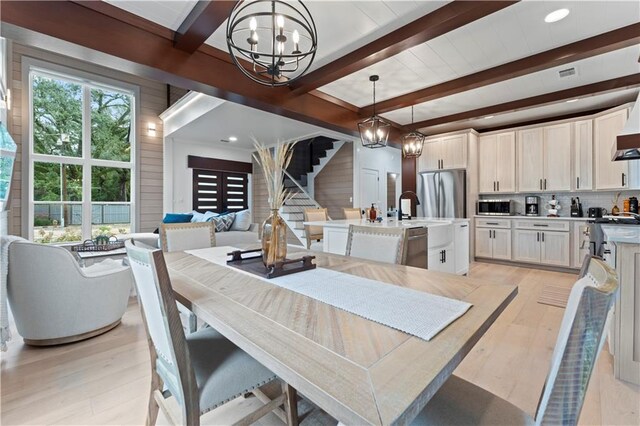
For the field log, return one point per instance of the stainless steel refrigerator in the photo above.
(442, 194)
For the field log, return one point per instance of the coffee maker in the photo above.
(532, 205)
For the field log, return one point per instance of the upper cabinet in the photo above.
(583, 155)
(497, 163)
(448, 152)
(609, 174)
(544, 158)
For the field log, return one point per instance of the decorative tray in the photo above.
(253, 264)
(99, 244)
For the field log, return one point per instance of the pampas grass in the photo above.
(273, 167)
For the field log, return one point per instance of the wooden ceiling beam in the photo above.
(120, 44)
(203, 20)
(441, 21)
(592, 46)
(601, 87)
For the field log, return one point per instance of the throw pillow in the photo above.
(242, 222)
(177, 218)
(223, 222)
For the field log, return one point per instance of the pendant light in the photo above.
(273, 42)
(412, 142)
(374, 131)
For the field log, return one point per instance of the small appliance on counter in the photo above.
(553, 207)
(576, 207)
(495, 207)
(596, 212)
(532, 205)
(633, 205)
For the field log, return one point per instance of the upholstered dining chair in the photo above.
(387, 245)
(314, 232)
(352, 213)
(579, 342)
(187, 236)
(202, 370)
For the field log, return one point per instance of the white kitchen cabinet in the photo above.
(554, 248)
(493, 243)
(448, 152)
(557, 157)
(484, 242)
(442, 259)
(609, 174)
(583, 155)
(526, 245)
(544, 158)
(461, 244)
(530, 159)
(497, 163)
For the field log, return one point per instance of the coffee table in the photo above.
(87, 258)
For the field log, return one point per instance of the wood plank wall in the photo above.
(153, 101)
(333, 186)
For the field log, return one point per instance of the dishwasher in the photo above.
(417, 247)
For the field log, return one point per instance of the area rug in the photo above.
(554, 296)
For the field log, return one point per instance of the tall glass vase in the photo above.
(274, 239)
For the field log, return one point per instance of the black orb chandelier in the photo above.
(273, 42)
(412, 142)
(374, 131)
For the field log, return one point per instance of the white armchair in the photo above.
(55, 301)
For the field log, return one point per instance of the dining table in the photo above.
(357, 370)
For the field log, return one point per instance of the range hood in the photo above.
(627, 144)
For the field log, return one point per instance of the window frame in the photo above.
(88, 81)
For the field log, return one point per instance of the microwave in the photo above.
(495, 207)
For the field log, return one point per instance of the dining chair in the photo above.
(202, 370)
(579, 342)
(187, 236)
(387, 245)
(352, 213)
(314, 232)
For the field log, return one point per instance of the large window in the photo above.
(82, 139)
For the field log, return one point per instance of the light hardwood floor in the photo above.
(105, 380)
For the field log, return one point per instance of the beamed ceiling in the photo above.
(461, 64)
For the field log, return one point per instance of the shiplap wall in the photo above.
(333, 187)
(153, 100)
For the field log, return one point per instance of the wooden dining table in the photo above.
(357, 370)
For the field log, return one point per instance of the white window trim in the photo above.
(28, 157)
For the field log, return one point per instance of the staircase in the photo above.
(309, 158)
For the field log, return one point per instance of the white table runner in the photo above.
(414, 312)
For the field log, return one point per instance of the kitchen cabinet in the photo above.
(497, 163)
(526, 246)
(542, 241)
(448, 152)
(461, 244)
(609, 174)
(544, 158)
(554, 248)
(493, 238)
(442, 259)
(583, 155)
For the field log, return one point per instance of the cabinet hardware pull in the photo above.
(494, 185)
(545, 183)
(577, 183)
(493, 223)
(498, 185)
(540, 224)
(463, 226)
(542, 236)
(540, 183)
(444, 253)
(623, 176)
(537, 236)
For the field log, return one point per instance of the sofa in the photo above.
(227, 238)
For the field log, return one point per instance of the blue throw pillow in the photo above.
(177, 218)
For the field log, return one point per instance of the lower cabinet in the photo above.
(493, 243)
(461, 245)
(442, 259)
(545, 247)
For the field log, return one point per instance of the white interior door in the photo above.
(369, 187)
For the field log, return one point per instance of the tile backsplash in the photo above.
(588, 199)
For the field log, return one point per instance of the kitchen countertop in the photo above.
(629, 234)
(583, 219)
(388, 222)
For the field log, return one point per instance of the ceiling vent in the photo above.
(568, 72)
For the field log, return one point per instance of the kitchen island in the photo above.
(447, 239)
(623, 253)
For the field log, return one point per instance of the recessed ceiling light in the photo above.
(233, 139)
(489, 116)
(556, 15)
(572, 101)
